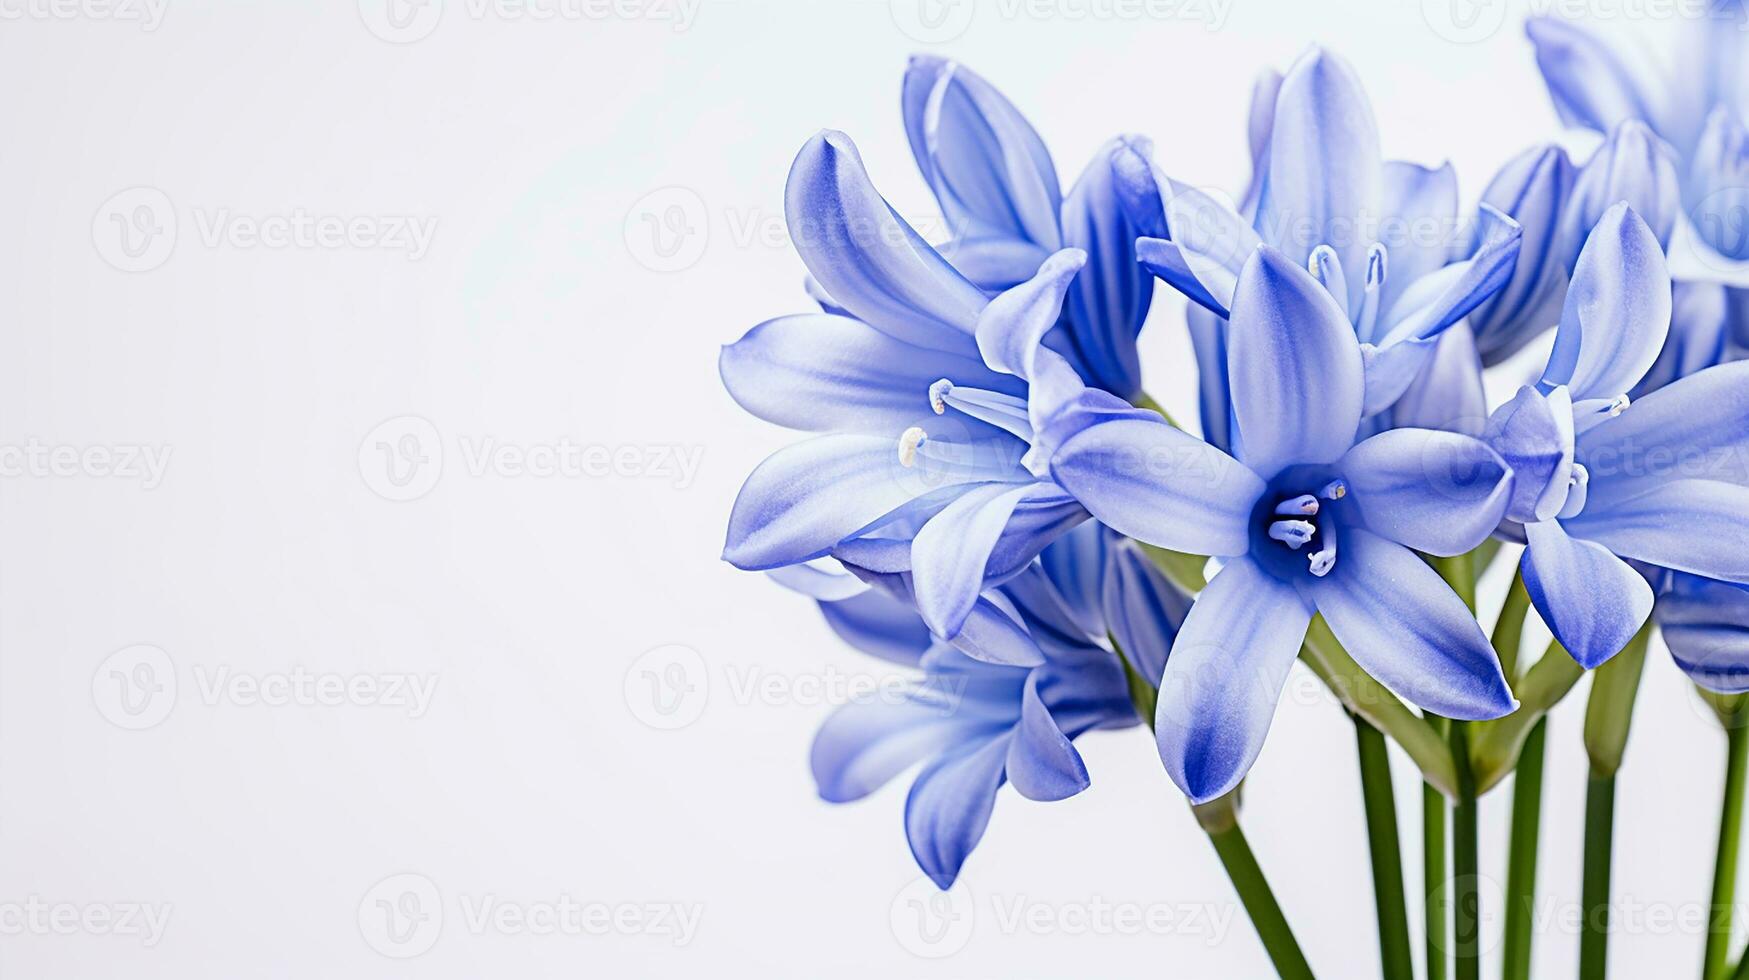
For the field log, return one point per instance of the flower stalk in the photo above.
(1731, 713)
(1220, 820)
(1386, 852)
(1608, 716)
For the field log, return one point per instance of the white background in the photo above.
(537, 317)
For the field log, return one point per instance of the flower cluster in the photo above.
(990, 500)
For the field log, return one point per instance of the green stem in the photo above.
(1145, 400)
(1718, 937)
(1509, 628)
(1594, 901)
(1527, 807)
(1466, 906)
(1387, 856)
(1372, 701)
(1742, 971)
(1260, 904)
(1433, 872)
(1494, 745)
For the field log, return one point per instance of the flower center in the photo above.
(1304, 523)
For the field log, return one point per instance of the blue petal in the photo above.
(991, 635)
(1689, 525)
(822, 372)
(1259, 124)
(1154, 483)
(1532, 190)
(879, 625)
(1294, 366)
(1696, 428)
(822, 579)
(1592, 601)
(949, 555)
(1042, 763)
(867, 258)
(1075, 565)
(1399, 620)
(1143, 609)
(864, 744)
(806, 498)
(1203, 281)
(1208, 339)
(1448, 393)
(1617, 312)
(1437, 492)
(1325, 170)
(1591, 86)
(1109, 301)
(1419, 204)
(1437, 301)
(990, 171)
(1706, 626)
(1224, 677)
(1699, 335)
(994, 264)
(1635, 166)
(1534, 435)
(950, 805)
(1137, 185)
(1719, 184)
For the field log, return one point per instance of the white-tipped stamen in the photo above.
(1334, 490)
(909, 442)
(938, 395)
(1619, 405)
(1292, 533)
(1305, 504)
(1323, 561)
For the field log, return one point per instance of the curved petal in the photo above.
(1534, 435)
(1108, 301)
(1208, 339)
(1689, 525)
(1137, 184)
(1259, 125)
(1075, 566)
(1448, 394)
(1617, 312)
(1437, 492)
(986, 164)
(823, 579)
(1719, 184)
(806, 498)
(1434, 302)
(1590, 84)
(1699, 335)
(819, 372)
(1706, 626)
(1696, 428)
(867, 258)
(1591, 600)
(1325, 169)
(994, 264)
(1152, 482)
(991, 635)
(1418, 211)
(1042, 762)
(950, 555)
(879, 625)
(1143, 609)
(949, 807)
(864, 744)
(1204, 281)
(1399, 620)
(1635, 166)
(1532, 190)
(1294, 367)
(1221, 684)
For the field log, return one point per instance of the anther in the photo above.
(1305, 504)
(1334, 490)
(938, 395)
(1619, 405)
(1323, 561)
(908, 445)
(1292, 533)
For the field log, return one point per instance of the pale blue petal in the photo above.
(862, 745)
(1138, 183)
(1224, 677)
(1534, 435)
(1419, 210)
(1204, 281)
(1150, 481)
(994, 264)
(1436, 301)
(1592, 601)
(1399, 620)
(950, 554)
(1617, 312)
(990, 634)
(1532, 190)
(1143, 609)
(1294, 367)
(1109, 301)
(1592, 87)
(867, 258)
(1695, 428)
(1706, 626)
(950, 805)
(1699, 335)
(1437, 492)
(1448, 393)
(1690, 525)
(1635, 166)
(1042, 762)
(879, 625)
(1718, 181)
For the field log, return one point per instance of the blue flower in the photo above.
(997, 188)
(1597, 481)
(1306, 519)
(1379, 236)
(1699, 118)
(1705, 623)
(973, 725)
